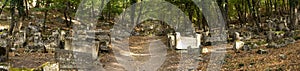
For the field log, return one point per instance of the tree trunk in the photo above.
(67, 22)
(12, 11)
(226, 11)
(26, 7)
(45, 16)
(253, 13)
(21, 9)
(12, 25)
(239, 11)
(293, 13)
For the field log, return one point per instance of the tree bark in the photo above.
(254, 14)
(293, 13)
(26, 7)
(239, 11)
(12, 25)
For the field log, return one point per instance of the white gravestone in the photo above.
(184, 42)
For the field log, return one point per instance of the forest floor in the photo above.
(284, 58)
(245, 60)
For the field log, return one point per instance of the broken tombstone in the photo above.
(238, 44)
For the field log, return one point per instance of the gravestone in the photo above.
(182, 42)
(81, 51)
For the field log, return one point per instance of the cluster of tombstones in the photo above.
(82, 49)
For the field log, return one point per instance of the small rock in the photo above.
(205, 50)
(282, 56)
(261, 51)
(290, 41)
(273, 45)
(191, 69)
(13, 49)
(246, 48)
(252, 64)
(238, 45)
(199, 59)
(254, 46)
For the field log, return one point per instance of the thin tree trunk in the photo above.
(12, 25)
(293, 11)
(26, 7)
(12, 11)
(257, 13)
(45, 15)
(275, 5)
(239, 11)
(253, 13)
(21, 9)
(66, 14)
(226, 12)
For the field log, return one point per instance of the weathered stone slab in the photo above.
(72, 59)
